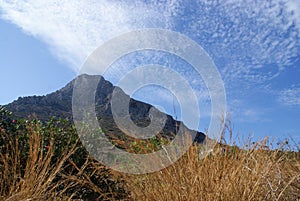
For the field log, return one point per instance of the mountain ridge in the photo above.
(58, 104)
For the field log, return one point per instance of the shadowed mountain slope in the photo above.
(59, 104)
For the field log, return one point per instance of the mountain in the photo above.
(59, 104)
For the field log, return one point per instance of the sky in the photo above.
(254, 45)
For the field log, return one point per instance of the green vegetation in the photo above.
(46, 161)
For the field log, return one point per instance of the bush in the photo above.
(46, 161)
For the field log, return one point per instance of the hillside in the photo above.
(59, 104)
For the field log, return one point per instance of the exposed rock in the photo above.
(59, 104)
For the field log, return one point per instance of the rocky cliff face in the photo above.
(59, 104)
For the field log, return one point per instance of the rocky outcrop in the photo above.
(59, 104)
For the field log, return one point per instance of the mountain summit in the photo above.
(59, 104)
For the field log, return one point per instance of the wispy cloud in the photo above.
(294, 7)
(258, 40)
(243, 37)
(250, 41)
(73, 29)
(290, 97)
(245, 113)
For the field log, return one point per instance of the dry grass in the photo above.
(48, 177)
(34, 181)
(227, 174)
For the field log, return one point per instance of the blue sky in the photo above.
(255, 46)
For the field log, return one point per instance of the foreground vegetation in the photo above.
(46, 161)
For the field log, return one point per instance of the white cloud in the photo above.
(243, 37)
(290, 97)
(73, 29)
(240, 111)
(294, 7)
(248, 40)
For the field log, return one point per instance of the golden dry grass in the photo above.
(48, 177)
(227, 174)
(35, 181)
